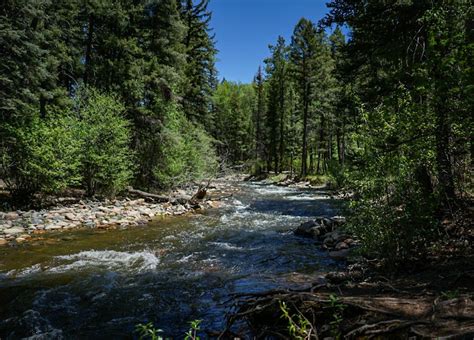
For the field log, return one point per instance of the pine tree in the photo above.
(277, 71)
(200, 59)
(258, 118)
(303, 53)
(337, 41)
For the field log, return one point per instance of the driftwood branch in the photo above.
(384, 314)
(147, 195)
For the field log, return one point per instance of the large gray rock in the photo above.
(52, 227)
(309, 229)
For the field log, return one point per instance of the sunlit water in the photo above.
(100, 284)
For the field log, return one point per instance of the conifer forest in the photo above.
(145, 196)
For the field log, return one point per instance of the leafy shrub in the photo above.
(42, 156)
(106, 158)
(394, 213)
(337, 173)
(187, 152)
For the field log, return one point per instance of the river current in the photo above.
(95, 284)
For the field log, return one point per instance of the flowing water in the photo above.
(100, 284)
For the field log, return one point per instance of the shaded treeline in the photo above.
(386, 112)
(153, 59)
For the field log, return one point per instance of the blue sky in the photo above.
(245, 28)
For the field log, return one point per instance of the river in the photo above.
(100, 284)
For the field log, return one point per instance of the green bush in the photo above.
(337, 173)
(394, 210)
(106, 158)
(187, 153)
(42, 156)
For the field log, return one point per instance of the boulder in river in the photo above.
(339, 254)
(308, 229)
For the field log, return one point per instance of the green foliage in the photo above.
(200, 70)
(43, 156)
(337, 315)
(338, 174)
(299, 326)
(106, 160)
(233, 111)
(317, 179)
(394, 214)
(192, 334)
(187, 153)
(148, 332)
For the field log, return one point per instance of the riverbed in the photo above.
(102, 283)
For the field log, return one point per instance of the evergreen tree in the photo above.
(200, 58)
(258, 117)
(277, 71)
(303, 52)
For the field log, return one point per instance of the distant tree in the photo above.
(277, 71)
(304, 44)
(258, 118)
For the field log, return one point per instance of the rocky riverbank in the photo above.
(330, 234)
(20, 226)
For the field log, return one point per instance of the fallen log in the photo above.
(382, 314)
(148, 196)
(164, 199)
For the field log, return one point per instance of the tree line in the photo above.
(101, 94)
(386, 113)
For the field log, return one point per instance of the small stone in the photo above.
(25, 236)
(341, 245)
(71, 217)
(90, 224)
(52, 227)
(20, 239)
(3, 242)
(214, 204)
(11, 216)
(14, 231)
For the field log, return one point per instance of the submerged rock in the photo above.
(340, 254)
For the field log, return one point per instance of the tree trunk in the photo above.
(88, 56)
(304, 153)
(443, 159)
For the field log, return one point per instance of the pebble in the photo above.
(14, 231)
(11, 216)
(3, 242)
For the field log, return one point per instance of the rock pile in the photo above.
(17, 226)
(329, 233)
